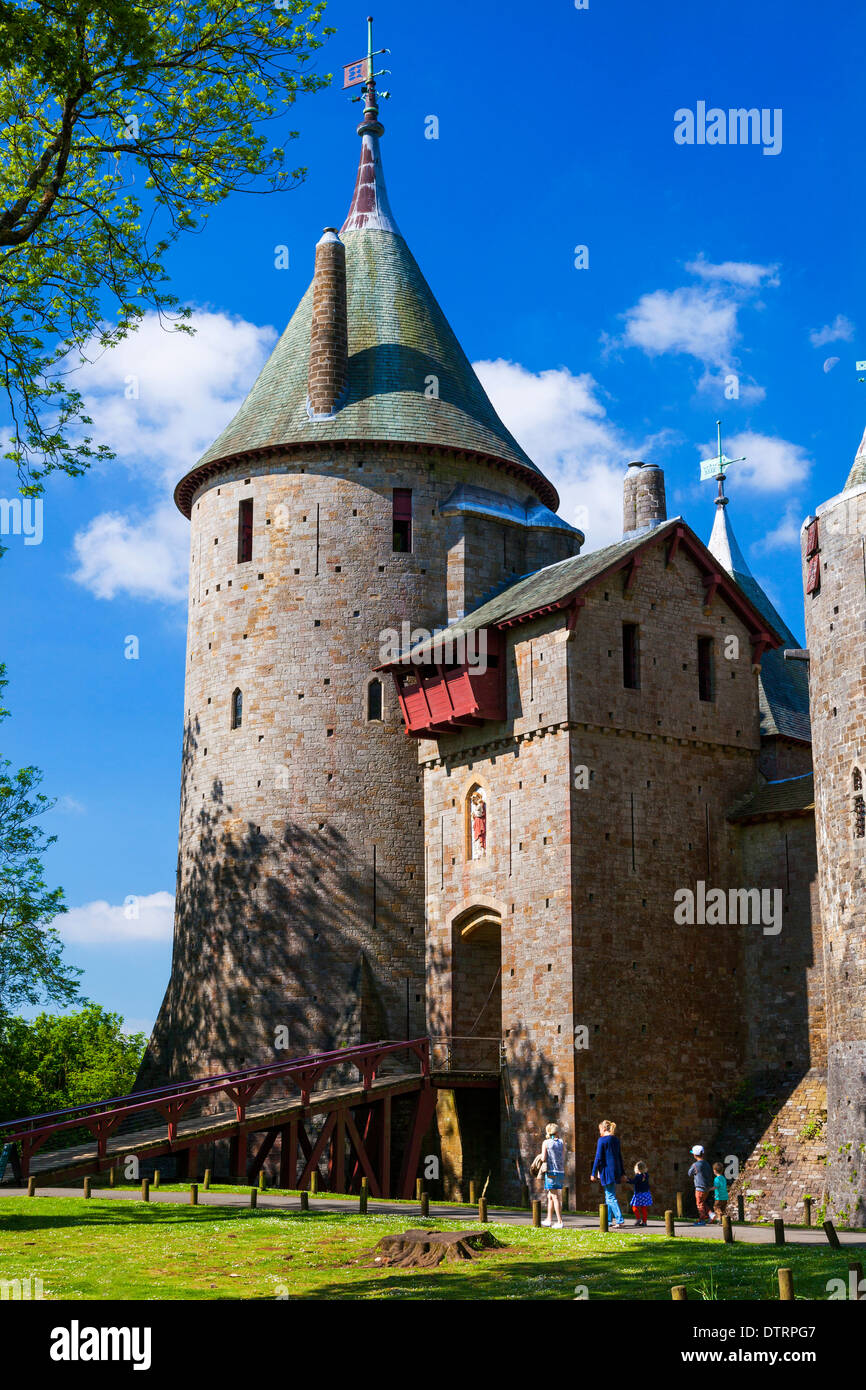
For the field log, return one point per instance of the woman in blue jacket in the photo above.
(607, 1168)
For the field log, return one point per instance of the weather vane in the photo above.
(715, 467)
(362, 70)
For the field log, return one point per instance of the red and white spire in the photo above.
(370, 209)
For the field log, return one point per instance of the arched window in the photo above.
(374, 700)
(857, 779)
(237, 709)
(859, 805)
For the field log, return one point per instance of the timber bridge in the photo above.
(326, 1120)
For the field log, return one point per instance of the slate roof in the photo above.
(783, 686)
(398, 339)
(549, 587)
(857, 476)
(789, 796)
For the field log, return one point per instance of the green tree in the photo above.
(31, 963)
(94, 94)
(61, 1060)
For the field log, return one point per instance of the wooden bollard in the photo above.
(145, 1190)
(155, 1179)
(779, 1229)
(680, 1208)
(830, 1232)
(741, 1208)
(855, 1279)
(786, 1285)
(112, 1176)
(536, 1213)
(679, 1292)
(362, 1202)
(524, 1195)
(473, 1192)
(670, 1228)
(254, 1196)
(305, 1202)
(87, 1182)
(727, 1230)
(602, 1216)
(31, 1187)
(193, 1194)
(419, 1189)
(807, 1208)
(425, 1204)
(261, 1180)
(314, 1181)
(482, 1209)
(206, 1183)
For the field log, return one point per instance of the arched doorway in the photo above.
(476, 988)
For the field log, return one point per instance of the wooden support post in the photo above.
(145, 1190)
(679, 1292)
(473, 1194)
(207, 1180)
(288, 1154)
(339, 1142)
(305, 1201)
(741, 1208)
(830, 1232)
(727, 1230)
(31, 1187)
(155, 1179)
(385, 1183)
(193, 1194)
(362, 1200)
(112, 1176)
(786, 1285)
(855, 1280)
(779, 1229)
(602, 1216)
(536, 1213)
(419, 1189)
(680, 1208)
(87, 1182)
(314, 1181)
(670, 1228)
(482, 1209)
(425, 1204)
(254, 1196)
(807, 1208)
(261, 1180)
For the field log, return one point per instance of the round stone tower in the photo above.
(319, 539)
(834, 568)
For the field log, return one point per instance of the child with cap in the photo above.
(703, 1177)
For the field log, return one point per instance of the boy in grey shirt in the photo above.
(703, 1176)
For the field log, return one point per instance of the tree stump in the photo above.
(426, 1249)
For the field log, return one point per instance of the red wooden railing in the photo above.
(170, 1102)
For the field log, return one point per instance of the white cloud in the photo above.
(188, 388)
(840, 330)
(785, 535)
(563, 426)
(149, 917)
(68, 806)
(159, 399)
(145, 558)
(693, 320)
(771, 464)
(742, 273)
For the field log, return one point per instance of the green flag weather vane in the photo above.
(715, 467)
(362, 70)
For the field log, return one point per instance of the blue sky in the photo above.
(556, 130)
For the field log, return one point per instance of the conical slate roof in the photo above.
(783, 686)
(399, 340)
(857, 476)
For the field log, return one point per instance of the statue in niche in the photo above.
(478, 821)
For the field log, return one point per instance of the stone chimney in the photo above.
(329, 346)
(643, 499)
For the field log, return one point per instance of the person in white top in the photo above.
(553, 1154)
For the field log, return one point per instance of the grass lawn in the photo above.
(133, 1250)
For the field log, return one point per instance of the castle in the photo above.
(482, 838)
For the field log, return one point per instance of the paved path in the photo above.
(753, 1235)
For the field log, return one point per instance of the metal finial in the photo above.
(715, 467)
